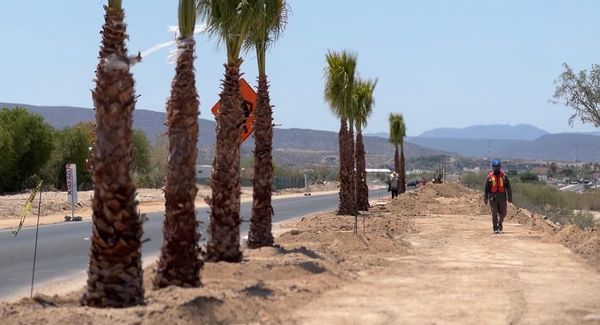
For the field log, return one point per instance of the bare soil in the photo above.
(427, 257)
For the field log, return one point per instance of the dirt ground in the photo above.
(55, 206)
(425, 258)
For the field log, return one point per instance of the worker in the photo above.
(497, 192)
(393, 184)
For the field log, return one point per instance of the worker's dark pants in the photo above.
(394, 193)
(498, 207)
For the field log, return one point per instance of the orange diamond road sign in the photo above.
(248, 105)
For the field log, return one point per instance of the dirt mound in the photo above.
(52, 202)
(585, 243)
(449, 190)
(379, 233)
(406, 204)
(320, 253)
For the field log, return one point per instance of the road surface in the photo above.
(63, 248)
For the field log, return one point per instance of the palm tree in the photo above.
(339, 84)
(364, 101)
(115, 266)
(230, 22)
(179, 263)
(270, 18)
(397, 134)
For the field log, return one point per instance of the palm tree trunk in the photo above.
(346, 179)
(362, 191)
(115, 266)
(402, 170)
(396, 160)
(179, 263)
(351, 169)
(224, 228)
(262, 210)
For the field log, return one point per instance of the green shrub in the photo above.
(26, 145)
(473, 180)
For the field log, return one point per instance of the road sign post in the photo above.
(71, 170)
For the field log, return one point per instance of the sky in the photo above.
(439, 63)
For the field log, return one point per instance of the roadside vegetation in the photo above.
(31, 150)
(562, 207)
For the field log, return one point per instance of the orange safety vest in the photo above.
(497, 182)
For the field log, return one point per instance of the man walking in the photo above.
(497, 192)
(393, 185)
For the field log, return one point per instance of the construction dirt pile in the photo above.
(313, 255)
(52, 202)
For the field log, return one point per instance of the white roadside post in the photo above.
(72, 188)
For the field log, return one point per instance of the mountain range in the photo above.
(290, 146)
(492, 131)
(505, 141)
(305, 146)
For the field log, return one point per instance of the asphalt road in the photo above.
(63, 248)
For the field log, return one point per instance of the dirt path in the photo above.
(458, 272)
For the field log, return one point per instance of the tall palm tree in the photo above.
(270, 18)
(364, 102)
(340, 75)
(115, 266)
(397, 134)
(230, 22)
(179, 263)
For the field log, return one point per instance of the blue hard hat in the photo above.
(496, 162)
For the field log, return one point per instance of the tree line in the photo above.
(31, 150)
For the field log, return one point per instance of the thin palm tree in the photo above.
(230, 22)
(397, 134)
(115, 266)
(270, 19)
(364, 102)
(179, 263)
(340, 75)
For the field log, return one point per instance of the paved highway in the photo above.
(63, 248)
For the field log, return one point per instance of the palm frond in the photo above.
(397, 128)
(269, 21)
(363, 101)
(229, 21)
(340, 75)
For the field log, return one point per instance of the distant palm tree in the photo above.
(230, 21)
(364, 101)
(339, 86)
(179, 263)
(115, 266)
(270, 18)
(397, 134)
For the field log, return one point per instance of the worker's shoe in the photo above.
(500, 228)
(496, 231)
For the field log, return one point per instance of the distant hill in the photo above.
(492, 131)
(378, 134)
(562, 146)
(290, 146)
(469, 147)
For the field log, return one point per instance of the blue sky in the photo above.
(440, 63)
